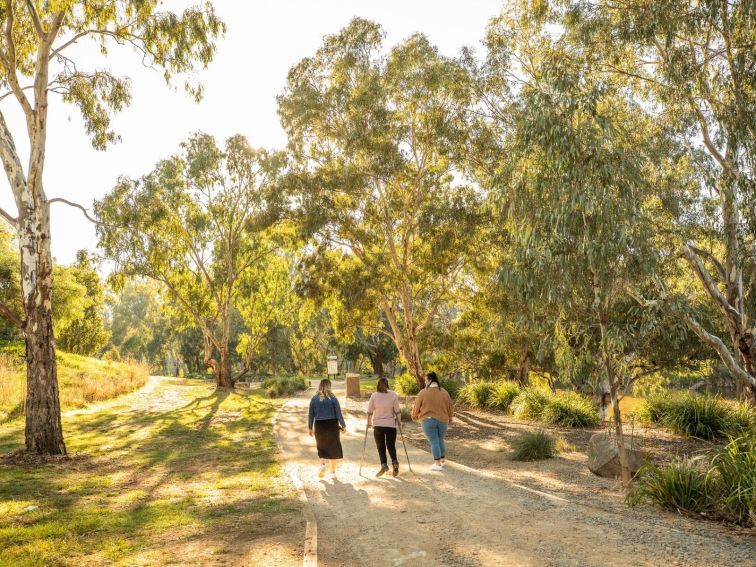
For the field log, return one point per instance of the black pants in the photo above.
(385, 438)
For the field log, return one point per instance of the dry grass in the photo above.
(82, 380)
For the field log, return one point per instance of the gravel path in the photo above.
(465, 517)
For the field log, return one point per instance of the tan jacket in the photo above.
(433, 402)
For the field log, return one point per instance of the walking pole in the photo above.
(364, 445)
(398, 418)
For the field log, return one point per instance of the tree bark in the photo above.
(523, 374)
(44, 431)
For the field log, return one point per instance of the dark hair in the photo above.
(382, 386)
(433, 377)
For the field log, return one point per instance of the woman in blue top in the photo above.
(327, 423)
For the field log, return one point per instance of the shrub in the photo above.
(407, 385)
(653, 409)
(570, 409)
(680, 486)
(733, 475)
(453, 387)
(530, 403)
(533, 446)
(503, 395)
(406, 413)
(284, 385)
(476, 394)
(742, 420)
(694, 415)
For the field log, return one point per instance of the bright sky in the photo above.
(264, 39)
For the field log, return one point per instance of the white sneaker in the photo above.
(435, 467)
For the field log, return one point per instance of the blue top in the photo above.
(325, 409)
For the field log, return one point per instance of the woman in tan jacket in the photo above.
(434, 410)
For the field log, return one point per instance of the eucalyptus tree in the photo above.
(37, 60)
(375, 137)
(575, 170)
(199, 224)
(694, 63)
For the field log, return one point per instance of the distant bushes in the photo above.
(533, 446)
(283, 385)
(476, 394)
(725, 489)
(454, 387)
(407, 385)
(696, 415)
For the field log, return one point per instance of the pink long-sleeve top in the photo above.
(383, 406)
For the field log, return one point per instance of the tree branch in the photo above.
(9, 62)
(35, 18)
(77, 206)
(724, 353)
(8, 313)
(709, 284)
(709, 256)
(13, 221)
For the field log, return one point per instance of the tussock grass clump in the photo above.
(680, 486)
(570, 409)
(733, 476)
(407, 385)
(476, 394)
(284, 385)
(534, 446)
(694, 415)
(742, 419)
(530, 403)
(454, 387)
(726, 490)
(503, 394)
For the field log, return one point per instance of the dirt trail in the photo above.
(462, 517)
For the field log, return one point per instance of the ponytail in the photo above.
(432, 377)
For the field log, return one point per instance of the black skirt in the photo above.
(328, 439)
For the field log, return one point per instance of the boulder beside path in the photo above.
(603, 455)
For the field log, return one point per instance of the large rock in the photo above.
(603, 455)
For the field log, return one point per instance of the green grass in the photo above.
(534, 446)
(733, 476)
(503, 395)
(182, 463)
(726, 490)
(476, 394)
(570, 409)
(530, 403)
(680, 486)
(696, 415)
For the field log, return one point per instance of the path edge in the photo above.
(310, 551)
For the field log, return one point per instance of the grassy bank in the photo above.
(175, 473)
(82, 380)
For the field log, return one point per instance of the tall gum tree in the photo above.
(199, 225)
(375, 138)
(35, 63)
(694, 63)
(575, 174)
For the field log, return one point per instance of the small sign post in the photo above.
(333, 365)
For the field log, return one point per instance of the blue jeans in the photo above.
(435, 431)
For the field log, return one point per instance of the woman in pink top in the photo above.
(383, 411)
